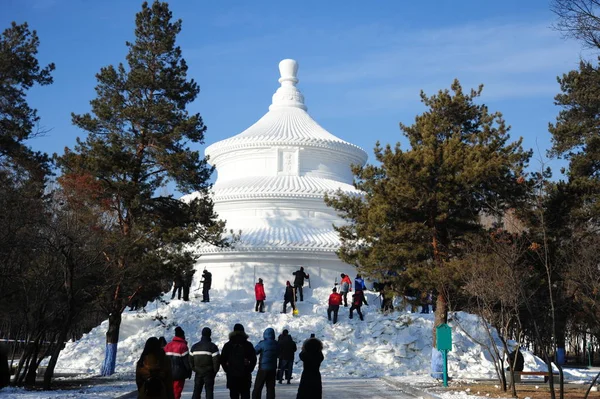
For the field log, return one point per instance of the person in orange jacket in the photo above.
(345, 287)
(335, 300)
(259, 293)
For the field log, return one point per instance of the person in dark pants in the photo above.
(287, 349)
(206, 283)
(288, 297)
(259, 293)
(187, 284)
(335, 300)
(267, 366)
(205, 361)
(177, 286)
(345, 287)
(299, 283)
(310, 381)
(357, 300)
(238, 359)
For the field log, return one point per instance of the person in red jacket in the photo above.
(177, 352)
(335, 301)
(259, 292)
(345, 287)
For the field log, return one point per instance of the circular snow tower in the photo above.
(271, 182)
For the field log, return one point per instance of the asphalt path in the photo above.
(332, 388)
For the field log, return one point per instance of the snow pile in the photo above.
(395, 344)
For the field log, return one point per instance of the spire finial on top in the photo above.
(288, 94)
(288, 69)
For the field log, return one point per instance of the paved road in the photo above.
(332, 388)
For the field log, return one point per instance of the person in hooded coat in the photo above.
(259, 293)
(238, 360)
(267, 366)
(310, 381)
(288, 297)
(287, 350)
(178, 354)
(345, 287)
(153, 372)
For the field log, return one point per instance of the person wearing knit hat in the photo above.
(238, 360)
(206, 362)
(177, 353)
(288, 297)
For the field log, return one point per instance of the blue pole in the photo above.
(445, 359)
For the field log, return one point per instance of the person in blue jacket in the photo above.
(359, 283)
(268, 350)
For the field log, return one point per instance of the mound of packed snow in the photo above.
(392, 344)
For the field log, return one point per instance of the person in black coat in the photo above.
(287, 350)
(299, 283)
(177, 285)
(206, 283)
(310, 381)
(288, 297)
(238, 360)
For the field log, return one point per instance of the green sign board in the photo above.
(443, 336)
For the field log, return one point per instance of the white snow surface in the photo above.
(395, 344)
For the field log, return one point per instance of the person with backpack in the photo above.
(153, 372)
(288, 297)
(205, 361)
(206, 283)
(259, 293)
(310, 381)
(335, 301)
(267, 366)
(238, 360)
(345, 287)
(299, 283)
(287, 350)
(357, 300)
(178, 354)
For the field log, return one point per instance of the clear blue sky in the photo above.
(362, 64)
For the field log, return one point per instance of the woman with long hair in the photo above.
(153, 372)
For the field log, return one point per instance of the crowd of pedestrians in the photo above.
(161, 372)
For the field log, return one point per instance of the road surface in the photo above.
(332, 388)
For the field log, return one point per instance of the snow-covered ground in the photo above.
(384, 345)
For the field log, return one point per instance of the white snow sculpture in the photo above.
(271, 182)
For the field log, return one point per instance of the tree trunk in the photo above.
(112, 339)
(441, 317)
(49, 373)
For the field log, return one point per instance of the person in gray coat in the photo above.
(268, 349)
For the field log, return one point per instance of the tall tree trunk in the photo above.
(112, 339)
(49, 373)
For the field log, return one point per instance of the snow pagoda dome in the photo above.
(272, 179)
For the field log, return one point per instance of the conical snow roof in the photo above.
(287, 124)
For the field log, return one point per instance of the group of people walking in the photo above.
(161, 371)
(289, 297)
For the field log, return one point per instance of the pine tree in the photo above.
(421, 203)
(576, 137)
(138, 136)
(19, 72)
